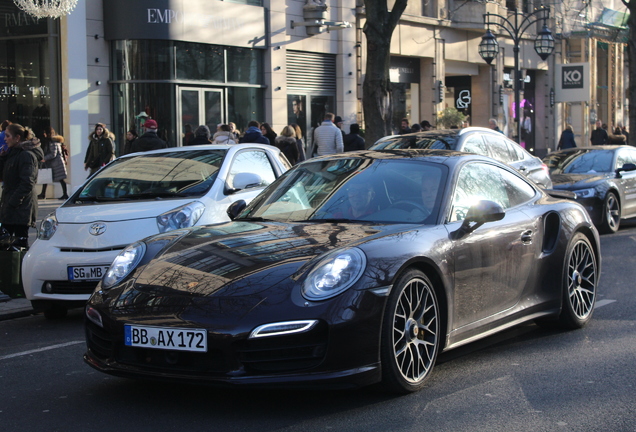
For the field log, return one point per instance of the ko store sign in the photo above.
(572, 77)
(573, 82)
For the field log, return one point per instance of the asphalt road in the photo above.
(525, 379)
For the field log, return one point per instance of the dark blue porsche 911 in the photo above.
(348, 270)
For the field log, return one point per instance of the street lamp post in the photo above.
(543, 44)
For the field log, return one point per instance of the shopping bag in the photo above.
(45, 176)
(11, 273)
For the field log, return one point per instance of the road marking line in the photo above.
(41, 349)
(601, 303)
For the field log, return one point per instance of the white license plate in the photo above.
(86, 273)
(179, 339)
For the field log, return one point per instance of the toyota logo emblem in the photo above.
(97, 229)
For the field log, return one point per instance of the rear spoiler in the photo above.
(565, 194)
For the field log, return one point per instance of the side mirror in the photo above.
(244, 180)
(626, 167)
(236, 208)
(482, 212)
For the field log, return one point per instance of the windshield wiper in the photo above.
(96, 198)
(150, 194)
(333, 220)
(253, 219)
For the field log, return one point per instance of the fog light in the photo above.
(283, 328)
(48, 288)
(94, 316)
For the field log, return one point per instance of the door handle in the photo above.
(526, 236)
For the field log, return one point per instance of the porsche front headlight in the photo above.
(335, 273)
(123, 264)
(181, 217)
(47, 227)
(585, 193)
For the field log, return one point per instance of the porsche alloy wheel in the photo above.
(580, 279)
(611, 214)
(411, 333)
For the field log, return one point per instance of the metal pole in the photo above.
(517, 91)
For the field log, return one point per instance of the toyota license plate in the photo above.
(179, 339)
(86, 273)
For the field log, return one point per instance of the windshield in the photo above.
(153, 176)
(355, 189)
(438, 142)
(581, 162)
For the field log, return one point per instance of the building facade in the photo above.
(186, 63)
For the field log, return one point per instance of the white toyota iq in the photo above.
(133, 197)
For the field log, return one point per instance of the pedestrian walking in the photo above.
(253, 134)
(224, 135)
(286, 142)
(131, 136)
(268, 132)
(426, 126)
(404, 127)
(327, 138)
(150, 140)
(19, 166)
(494, 125)
(201, 136)
(567, 138)
(599, 135)
(3, 128)
(300, 142)
(53, 158)
(101, 149)
(353, 141)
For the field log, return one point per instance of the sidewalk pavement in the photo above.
(16, 308)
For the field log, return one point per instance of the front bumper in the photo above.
(341, 351)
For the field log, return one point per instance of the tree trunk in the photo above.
(376, 89)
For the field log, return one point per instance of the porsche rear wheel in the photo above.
(579, 283)
(410, 333)
(611, 214)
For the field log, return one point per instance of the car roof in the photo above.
(428, 155)
(235, 147)
(446, 133)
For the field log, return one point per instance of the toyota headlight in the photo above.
(181, 217)
(47, 227)
(123, 264)
(334, 274)
(585, 193)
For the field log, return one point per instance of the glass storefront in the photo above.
(29, 64)
(183, 85)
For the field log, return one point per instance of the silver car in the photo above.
(482, 141)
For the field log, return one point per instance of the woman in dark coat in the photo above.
(101, 149)
(19, 172)
(300, 143)
(286, 142)
(51, 146)
(131, 136)
(268, 132)
(567, 139)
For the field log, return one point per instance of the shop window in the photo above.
(200, 62)
(244, 65)
(244, 104)
(142, 60)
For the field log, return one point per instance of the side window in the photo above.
(515, 151)
(252, 161)
(621, 159)
(498, 149)
(475, 144)
(479, 181)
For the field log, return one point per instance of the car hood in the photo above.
(243, 258)
(577, 181)
(117, 211)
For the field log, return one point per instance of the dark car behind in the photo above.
(482, 141)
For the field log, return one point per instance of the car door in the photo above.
(627, 181)
(492, 263)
